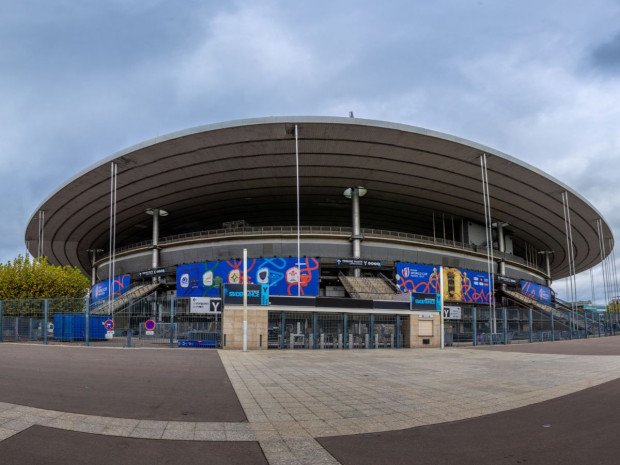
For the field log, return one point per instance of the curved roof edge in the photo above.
(314, 119)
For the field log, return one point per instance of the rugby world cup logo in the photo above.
(184, 281)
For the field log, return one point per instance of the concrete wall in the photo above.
(232, 328)
(421, 324)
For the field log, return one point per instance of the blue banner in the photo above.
(459, 285)
(466, 286)
(414, 277)
(536, 291)
(281, 274)
(101, 291)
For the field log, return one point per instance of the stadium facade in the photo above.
(351, 228)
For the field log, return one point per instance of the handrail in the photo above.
(314, 230)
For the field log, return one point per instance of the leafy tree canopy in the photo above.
(35, 278)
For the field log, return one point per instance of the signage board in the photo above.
(205, 305)
(420, 301)
(258, 294)
(505, 280)
(155, 272)
(452, 313)
(358, 262)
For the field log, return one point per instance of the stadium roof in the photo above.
(245, 169)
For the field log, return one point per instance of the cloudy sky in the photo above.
(81, 79)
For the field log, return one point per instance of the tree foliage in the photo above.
(26, 278)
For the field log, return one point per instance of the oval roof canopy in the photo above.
(245, 170)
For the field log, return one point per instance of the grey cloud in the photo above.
(606, 57)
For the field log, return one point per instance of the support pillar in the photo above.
(354, 193)
(93, 260)
(501, 266)
(156, 213)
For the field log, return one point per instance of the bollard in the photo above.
(315, 330)
(350, 341)
(474, 326)
(322, 341)
(172, 322)
(367, 341)
(372, 330)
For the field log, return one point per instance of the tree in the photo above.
(26, 278)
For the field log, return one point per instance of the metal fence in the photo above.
(147, 322)
(318, 330)
(165, 321)
(516, 325)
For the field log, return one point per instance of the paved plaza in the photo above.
(93, 405)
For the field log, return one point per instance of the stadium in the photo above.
(357, 234)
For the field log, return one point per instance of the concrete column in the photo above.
(546, 253)
(93, 259)
(548, 268)
(155, 258)
(156, 213)
(502, 248)
(354, 193)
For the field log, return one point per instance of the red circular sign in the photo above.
(109, 324)
(149, 325)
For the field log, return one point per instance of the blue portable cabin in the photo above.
(72, 326)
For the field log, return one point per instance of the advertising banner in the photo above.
(101, 291)
(283, 275)
(459, 285)
(536, 291)
(414, 277)
(466, 286)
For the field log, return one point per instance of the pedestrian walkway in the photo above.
(286, 400)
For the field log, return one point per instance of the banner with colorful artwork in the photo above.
(101, 291)
(414, 277)
(536, 291)
(459, 285)
(466, 286)
(282, 275)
